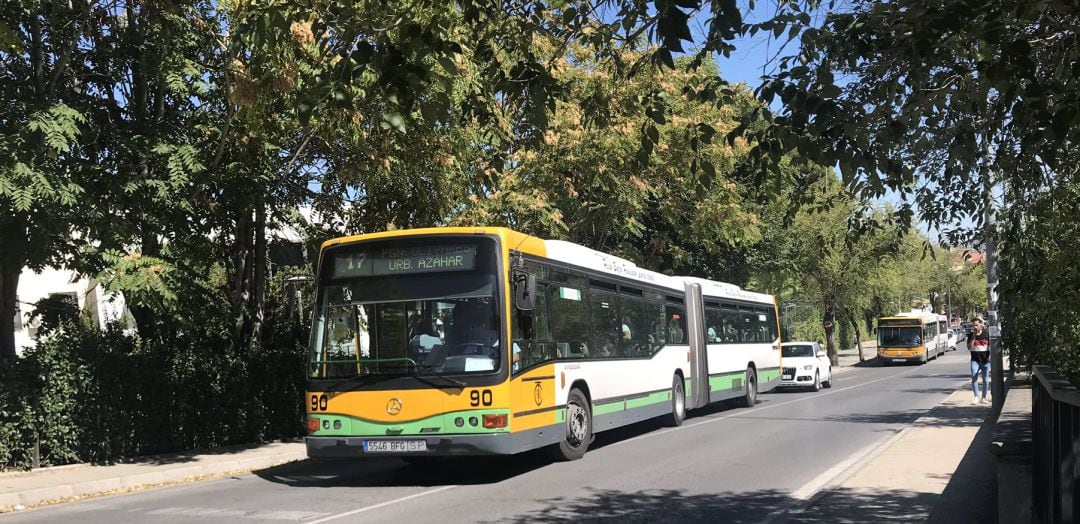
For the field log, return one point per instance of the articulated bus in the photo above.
(457, 341)
(915, 336)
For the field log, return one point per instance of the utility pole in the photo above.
(997, 375)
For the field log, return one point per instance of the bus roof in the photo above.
(571, 253)
(922, 316)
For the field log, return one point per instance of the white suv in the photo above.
(805, 365)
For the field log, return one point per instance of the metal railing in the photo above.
(1055, 407)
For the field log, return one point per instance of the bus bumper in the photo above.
(443, 445)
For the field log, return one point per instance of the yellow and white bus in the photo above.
(448, 341)
(915, 336)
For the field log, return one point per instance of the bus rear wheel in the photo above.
(678, 403)
(578, 428)
(749, 399)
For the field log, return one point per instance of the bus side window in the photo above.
(639, 325)
(569, 319)
(714, 326)
(676, 324)
(774, 331)
(732, 322)
(748, 325)
(535, 346)
(604, 328)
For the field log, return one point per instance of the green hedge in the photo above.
(97, 396)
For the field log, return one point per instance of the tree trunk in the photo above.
(259, 271)
(858, 335)
(9, 286)
(145, 318)
(828, 321)
(240, 291)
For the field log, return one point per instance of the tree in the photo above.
(932, 100)
(829, 264)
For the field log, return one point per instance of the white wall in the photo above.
(33, 286)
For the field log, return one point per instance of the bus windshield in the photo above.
(900, 337)
(381, 312)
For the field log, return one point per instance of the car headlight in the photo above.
(808, 367)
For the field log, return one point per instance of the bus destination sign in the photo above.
(404, 260)
(882, 322)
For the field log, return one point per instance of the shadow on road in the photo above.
(433, 471)
(603, 505)
(386, 471)
(945, 390)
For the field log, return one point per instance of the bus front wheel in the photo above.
(578, 427)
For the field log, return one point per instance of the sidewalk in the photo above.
(49, 485)
(850, 357)
(938, 470)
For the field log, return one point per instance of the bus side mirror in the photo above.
(524, 291)
(873, 331)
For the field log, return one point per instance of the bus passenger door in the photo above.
(699, 359)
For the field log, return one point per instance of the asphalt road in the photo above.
(725, 464)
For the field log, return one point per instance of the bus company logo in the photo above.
(538, 394)
(393, 406)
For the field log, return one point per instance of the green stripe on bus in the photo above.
(357, 427)
(631, 403)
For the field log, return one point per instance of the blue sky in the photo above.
(755, 56)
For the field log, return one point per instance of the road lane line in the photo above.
(380, 505)
(759, 409)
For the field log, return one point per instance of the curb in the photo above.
(137, 482)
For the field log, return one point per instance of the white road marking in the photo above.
(381, 505)
(758, 409)
(214, 513)
(838, 471)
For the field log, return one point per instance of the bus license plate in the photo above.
(394, 446)
(899, 360)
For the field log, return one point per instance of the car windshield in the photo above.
(800, 350)
(902, 336)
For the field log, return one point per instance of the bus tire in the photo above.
(678, 403)
(578, 427)
(749, 398)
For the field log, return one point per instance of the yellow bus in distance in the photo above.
(915, 336)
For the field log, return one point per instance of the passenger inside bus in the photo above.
(675, 332)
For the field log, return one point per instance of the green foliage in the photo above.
(97, 396)
(939, 102)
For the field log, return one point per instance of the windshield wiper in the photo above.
(361, 380)
(426, 380)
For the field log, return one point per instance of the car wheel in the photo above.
(828, 383)
(817, 381)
